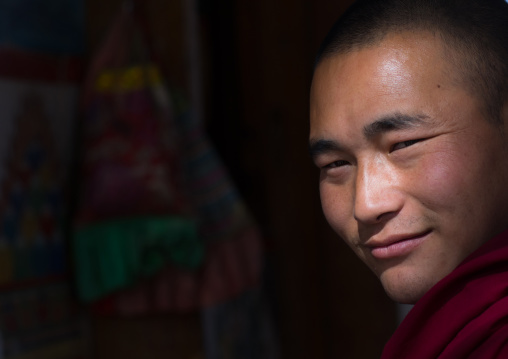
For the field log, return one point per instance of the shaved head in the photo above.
(474, 34)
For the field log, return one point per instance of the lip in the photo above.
(396, 246)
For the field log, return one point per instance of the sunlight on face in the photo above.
(413, 177)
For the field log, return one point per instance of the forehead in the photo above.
(403, 73)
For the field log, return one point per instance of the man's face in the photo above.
(413, 177)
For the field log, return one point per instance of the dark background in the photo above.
(256, 64)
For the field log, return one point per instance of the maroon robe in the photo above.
(465, 315)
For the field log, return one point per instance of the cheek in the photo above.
(442, 180)
(336, 206)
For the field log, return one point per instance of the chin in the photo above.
(404, 297)
(405, 289)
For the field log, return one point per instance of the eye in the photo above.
(404, 144)
(336, 164)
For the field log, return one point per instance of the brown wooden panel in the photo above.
(275, 76)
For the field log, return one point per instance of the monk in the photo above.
(409, 129)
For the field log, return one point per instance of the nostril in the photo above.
(387, 216)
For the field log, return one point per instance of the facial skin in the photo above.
(413, 176)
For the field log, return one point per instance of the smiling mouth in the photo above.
(397, 247)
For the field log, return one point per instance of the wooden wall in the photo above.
(257, 62)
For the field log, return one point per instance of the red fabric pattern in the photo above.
(465, 315)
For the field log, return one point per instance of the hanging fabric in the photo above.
(133, 215)
(160, 225)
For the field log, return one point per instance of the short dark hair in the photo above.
(475, 30)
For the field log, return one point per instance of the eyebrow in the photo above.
(319, 147)
(394, 122)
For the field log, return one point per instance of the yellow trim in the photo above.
(127, 79)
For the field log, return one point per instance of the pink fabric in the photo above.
(465, 315)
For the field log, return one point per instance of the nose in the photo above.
(376, 193)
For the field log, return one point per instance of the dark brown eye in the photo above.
(336, 164)
(404, 144)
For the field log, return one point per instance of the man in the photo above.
(409, 127)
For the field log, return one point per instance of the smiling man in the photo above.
(409, 128)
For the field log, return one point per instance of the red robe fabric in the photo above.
(465, 315)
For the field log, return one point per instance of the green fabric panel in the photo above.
(114, 254)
